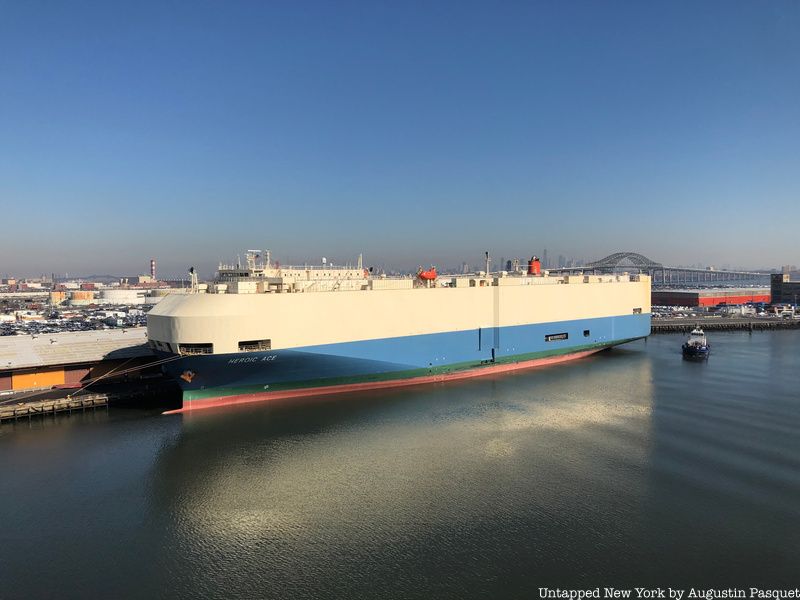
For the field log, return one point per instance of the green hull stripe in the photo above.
(191, 395)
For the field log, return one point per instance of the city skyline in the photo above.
(476, 263)
(415, 134)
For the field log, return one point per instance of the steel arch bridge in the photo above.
(671, 276)
(622, 259)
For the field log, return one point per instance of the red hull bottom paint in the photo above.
(374, 385)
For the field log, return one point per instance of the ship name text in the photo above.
(252, 359)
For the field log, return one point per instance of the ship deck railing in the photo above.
(195, 351)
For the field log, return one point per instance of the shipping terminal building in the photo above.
(711, 297)
(71, 359)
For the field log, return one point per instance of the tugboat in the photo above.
(697, 345)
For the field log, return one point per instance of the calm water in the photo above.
(629, 468)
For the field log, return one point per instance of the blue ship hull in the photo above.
(205, 377)
(696, 352)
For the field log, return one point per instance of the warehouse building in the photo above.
(70, 359)
(784, 289)
(709, 297)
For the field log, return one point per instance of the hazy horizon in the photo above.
(417, 134)
(475, 261)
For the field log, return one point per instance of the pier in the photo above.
(162, 393)
(40, 408)
(722, 324)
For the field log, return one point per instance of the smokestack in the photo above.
(153, 268)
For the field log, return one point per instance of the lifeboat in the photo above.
(428, 275)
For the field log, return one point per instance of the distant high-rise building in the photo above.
(562, 262)
(545, 263)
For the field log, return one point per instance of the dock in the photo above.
(161, 393)
(722, 324)
(42, 408)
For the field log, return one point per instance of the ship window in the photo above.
(585, 333)
(637, 311)
(554, 337)
(255, 345)
(196, 348)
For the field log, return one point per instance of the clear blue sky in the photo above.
(414, 132)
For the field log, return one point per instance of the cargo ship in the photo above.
(263, 331)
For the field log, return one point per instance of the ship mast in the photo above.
(193, 280)
(252, 255)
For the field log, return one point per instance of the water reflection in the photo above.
(391, 475)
